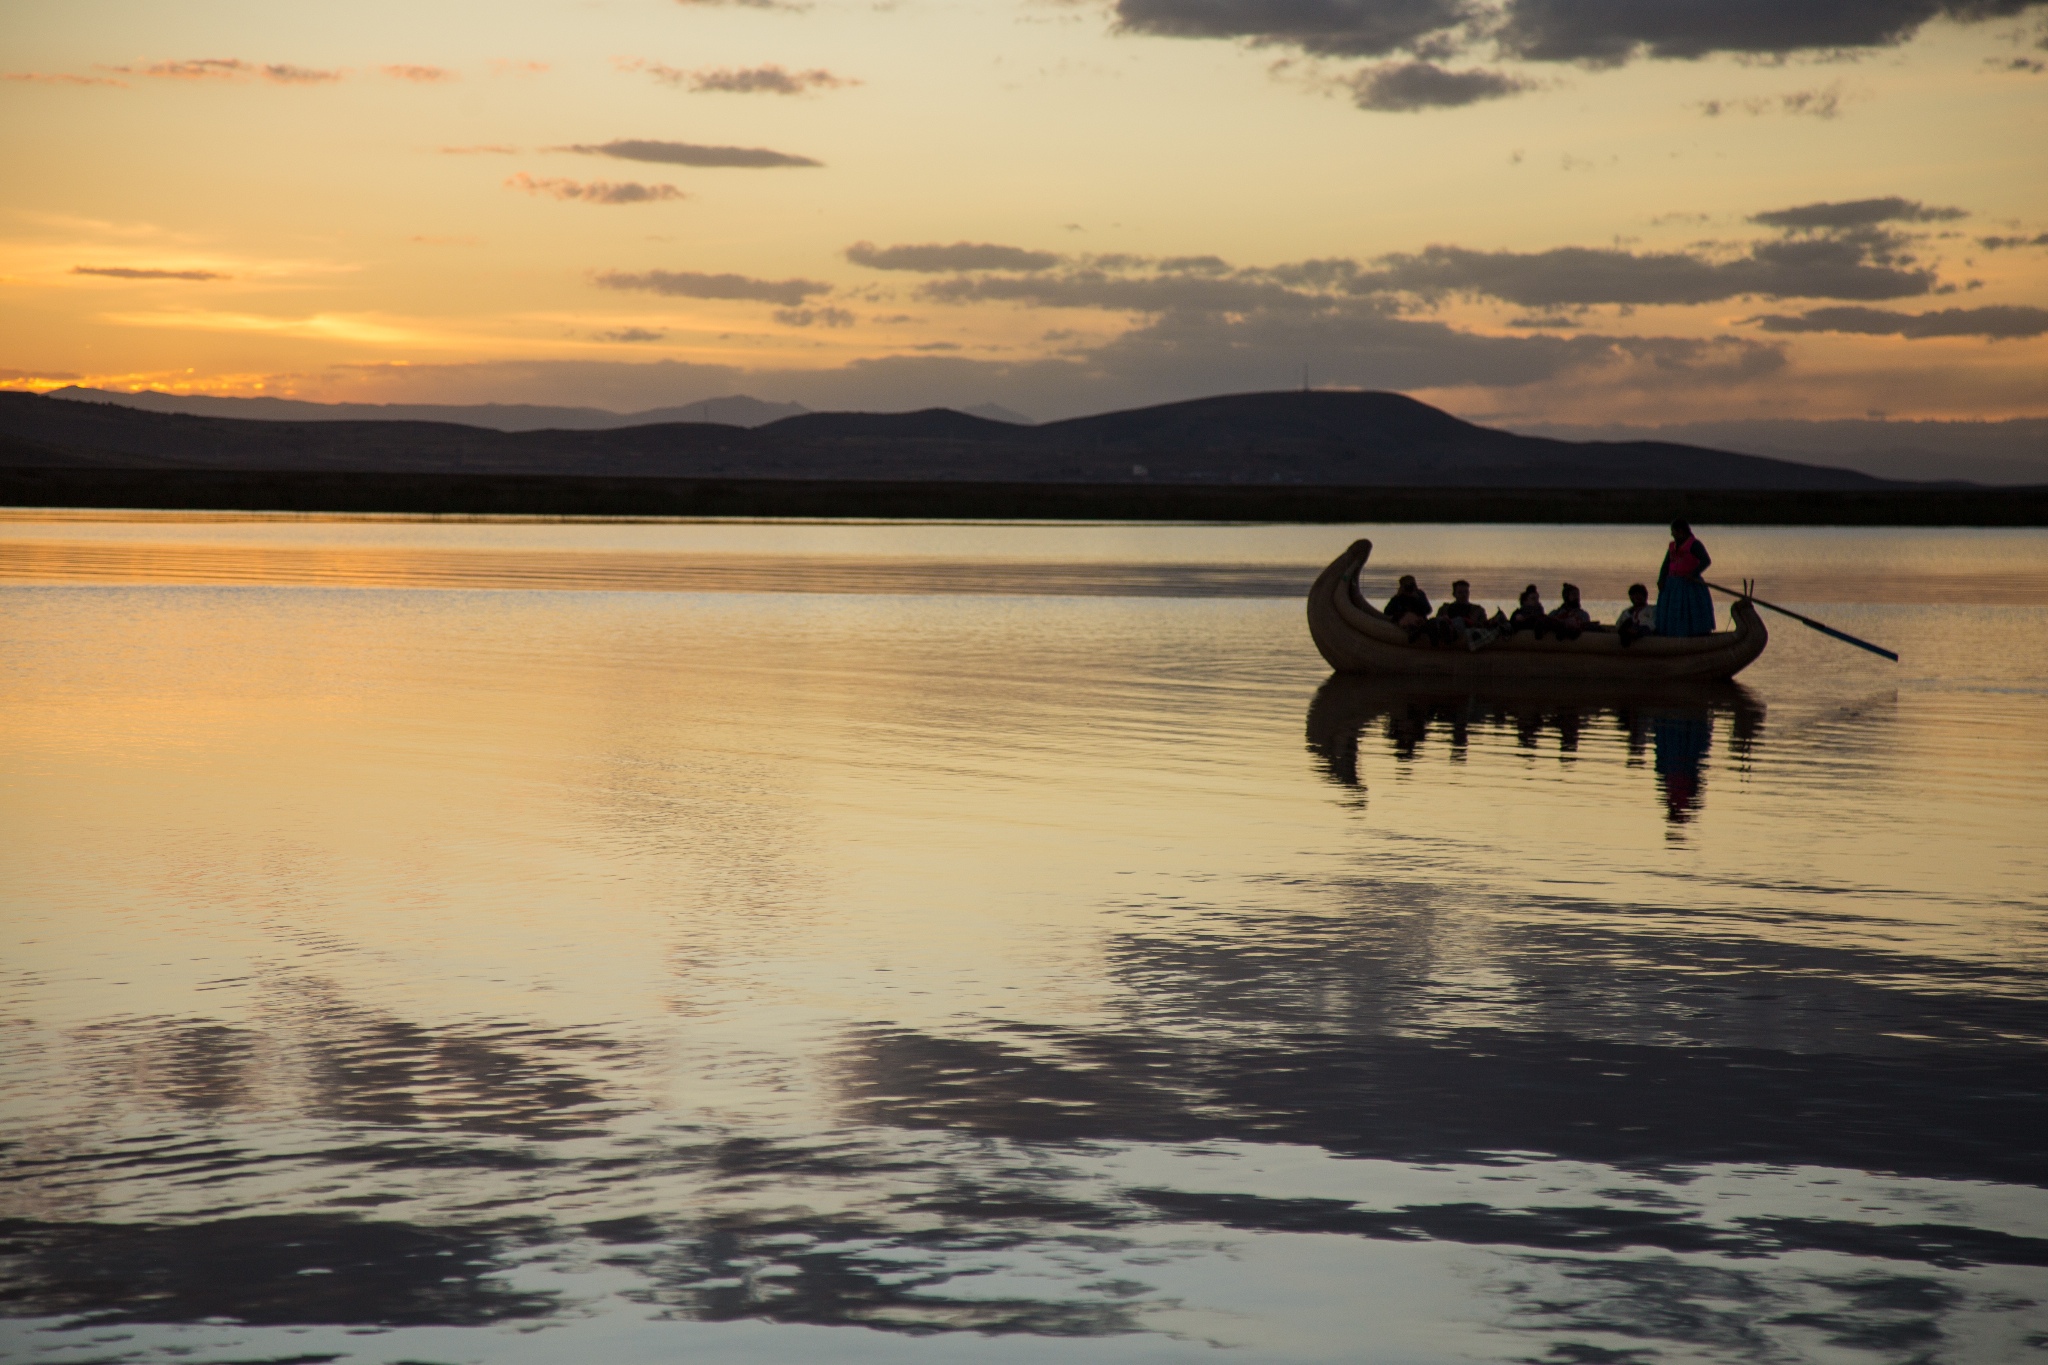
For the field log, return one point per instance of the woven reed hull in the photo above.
(1354, 638)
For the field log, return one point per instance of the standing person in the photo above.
(1684, 606)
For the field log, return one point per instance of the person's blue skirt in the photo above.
(1684, 607)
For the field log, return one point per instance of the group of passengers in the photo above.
(1683, 606)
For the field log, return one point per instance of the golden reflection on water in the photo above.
(1971, 567)
(1042, 964)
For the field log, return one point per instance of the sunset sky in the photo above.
(1562, 210)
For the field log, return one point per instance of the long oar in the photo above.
(1808, 621)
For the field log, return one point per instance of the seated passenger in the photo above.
(1530, 614)
(1571, 618)
(1408, 607)
(1639, 620)
(1461, 607)
(1458, 616)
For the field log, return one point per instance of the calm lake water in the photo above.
(541, 942)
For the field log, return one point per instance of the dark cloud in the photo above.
(934, 258)
(687, 153)
(690, 284)
(631, 334)
(595, 191)
(1585, 32)
(1330, 28)
(1864, 264)
(1823, 104)
(283, 73)
(1093, 287)
(229, 69)
(1405, 87)
(760, 80)
(1855, 213)
(425, 75)
(31, 376)
(1822, 267)
(2008, 243)
(1996, 322)
(814, 317)
(123, 272)
(198, 69)
(1609, 32)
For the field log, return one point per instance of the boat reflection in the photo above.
(1672, 723)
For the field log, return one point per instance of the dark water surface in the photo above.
(754, 943)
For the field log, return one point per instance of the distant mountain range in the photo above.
(735, 411)
(2013, 451)
(1319, 439)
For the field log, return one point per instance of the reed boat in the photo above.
(1355, 637)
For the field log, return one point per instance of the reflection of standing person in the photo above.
(1682, 742)
(1684, 606)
